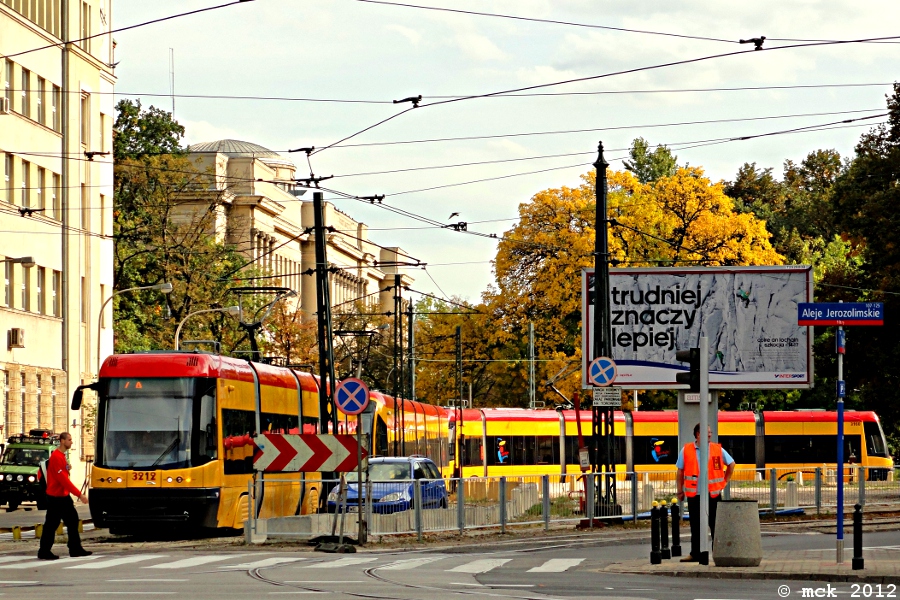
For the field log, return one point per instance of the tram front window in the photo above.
(147, 423)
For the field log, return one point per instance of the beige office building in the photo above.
(56, 191)
(270, 220)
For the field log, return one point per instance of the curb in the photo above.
(789, 576)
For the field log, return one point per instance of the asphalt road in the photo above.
(551, 566)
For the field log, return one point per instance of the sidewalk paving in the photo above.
(882, 565)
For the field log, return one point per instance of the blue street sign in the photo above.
(840, 313)
(841, 341)
(351, 396)
(841, 388)
(602, 371)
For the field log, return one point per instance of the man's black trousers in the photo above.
(60, 509)
(694, 510)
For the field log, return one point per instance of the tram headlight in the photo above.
(169, 480)
(179, 479)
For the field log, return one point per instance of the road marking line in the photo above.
(342, 562)
(267, 562)
(114, 562)
(44, 563)
(19, 582)
(318, 582)
(194, 562)
(131, 593)
(480, 566)
(4, 559)
(403, 565)
(557, 565)
(146, 580)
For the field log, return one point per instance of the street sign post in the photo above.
(840, 314)
(351, 396)
(307, 453)
(602, 371)
(608, 396)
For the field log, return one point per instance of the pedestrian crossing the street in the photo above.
(222, 562)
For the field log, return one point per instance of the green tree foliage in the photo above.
(650, 166)
(165, 231)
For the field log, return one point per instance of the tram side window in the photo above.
(207, 443)
(275, 423)
(810, 448)
(547, 450)
(875, 444)
(237, 427)
(381, 437)
(474, 454)
(655, 450)
(742, 448)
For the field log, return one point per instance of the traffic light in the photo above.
(692, 377)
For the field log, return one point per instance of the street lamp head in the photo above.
(25, 261)
(165, 288)
(234, 311)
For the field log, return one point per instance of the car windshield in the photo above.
(384, 471)
(27, 457)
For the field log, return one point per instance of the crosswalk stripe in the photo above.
(194, 562)
(43, 563)
(480, 566)
(268, 562)
(115, 562)
(402, 565)
(343, 562)
(557, 565)
(5, 559)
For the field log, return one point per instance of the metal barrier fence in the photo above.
(426, 506)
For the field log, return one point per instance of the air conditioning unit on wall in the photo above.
(16, 337)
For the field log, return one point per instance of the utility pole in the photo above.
(459, 394)
(399, 441)
(602, 418)
(327, 413)
(412, 353)
(531, 390)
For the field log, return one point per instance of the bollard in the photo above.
(773, 490)
(676, 528)
(38, 530)
(17, 533)
(80, 526)
(818, 490)
(655, 556)
(861, 476)
(59, 530)
(634, 498)
(664, 551)
(503, 505)
(545, 500)
(858, 562)
(461, 506)
(417, 495)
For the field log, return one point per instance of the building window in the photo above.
(38, 390)
(54, 291)
(7, 178)
(41, 274)
(6, 399)
(26, 93)
(7, 82)
(102, 298)
(39, 189)
(102, 214)
(85, 119)
(103, 144)
(41, 90)
(26, 183)
(54, 198)
(54, 108)
(85, 217)
(7, 283)
(26, 289)
(85, 43)
(53, 402)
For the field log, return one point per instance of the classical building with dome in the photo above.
(269, 219)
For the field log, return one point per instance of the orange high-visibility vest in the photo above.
(692, 470)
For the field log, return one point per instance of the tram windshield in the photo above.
(148, 423)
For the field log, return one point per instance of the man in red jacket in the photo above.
(59, 503)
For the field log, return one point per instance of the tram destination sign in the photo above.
(840, 313)
(306, 453)
(749, 315)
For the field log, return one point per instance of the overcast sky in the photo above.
(353, 50)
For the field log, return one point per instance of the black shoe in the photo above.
(79, 552)
(47, 556)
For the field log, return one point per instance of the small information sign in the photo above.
(608, 397)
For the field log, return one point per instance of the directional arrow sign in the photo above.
(306, 453)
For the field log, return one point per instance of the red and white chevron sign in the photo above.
(307, 452)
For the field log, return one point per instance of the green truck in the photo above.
(20, 465)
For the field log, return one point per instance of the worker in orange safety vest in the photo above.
(721, 467)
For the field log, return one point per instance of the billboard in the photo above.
(748, 314)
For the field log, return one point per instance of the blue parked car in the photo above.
(393, 485)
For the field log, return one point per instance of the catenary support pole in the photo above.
(839, 541)
(703, 479)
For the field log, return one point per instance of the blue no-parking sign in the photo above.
(351, 396)
(602, 371)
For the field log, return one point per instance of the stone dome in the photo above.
(238, 148)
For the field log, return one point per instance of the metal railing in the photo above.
(430, 506)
